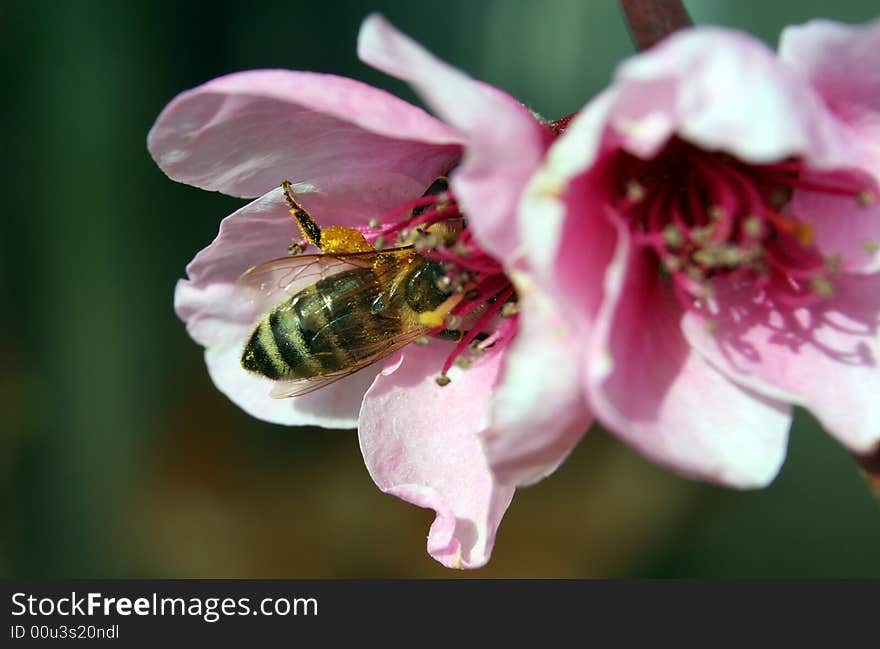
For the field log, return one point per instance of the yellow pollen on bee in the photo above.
(337, 238)
(431, 319)
(436, 318)
(865, 197)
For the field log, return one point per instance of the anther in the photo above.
(804, 233)
(673, 236)
(509, 309)
(635, 191)
(704, 258)
(834, 265)
(716, 213)
(702, 236)
(453, 322)
(865, 197)
(870, 247)
(442, 380)
(672, 264)
(753, 227)
(379, 242)
(374, 223)
(464, 362)
(294, 249)
(422, 340)
(821, 286)
(444, 283)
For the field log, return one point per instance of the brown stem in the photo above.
(650, 21)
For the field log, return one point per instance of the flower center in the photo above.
(705, 214)
(485, 317)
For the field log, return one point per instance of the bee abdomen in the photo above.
(261, 354)
(298, 339)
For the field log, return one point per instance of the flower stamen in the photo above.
(485, 307)
(703, 214)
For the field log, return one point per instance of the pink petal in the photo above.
(724, 90)
(841, 62)
(221, 317)
(536, 423)
(352, 151)
(505, 141)
(420, 443)
(647, 385)
(561, 214)
(825, 358)
(844, 229)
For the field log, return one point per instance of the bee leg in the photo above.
(311, 231)
(334, 239)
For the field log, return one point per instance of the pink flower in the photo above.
(355, 154)
(712, 224)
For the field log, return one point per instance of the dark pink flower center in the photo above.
(485, 317)
(704, 214)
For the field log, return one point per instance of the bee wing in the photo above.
(297, 388)
(277, 279)
(362, 356)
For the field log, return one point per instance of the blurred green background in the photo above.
(118, 457)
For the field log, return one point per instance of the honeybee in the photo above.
(329, 315)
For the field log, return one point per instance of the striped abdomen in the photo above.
(342, 320)
(316, 331)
